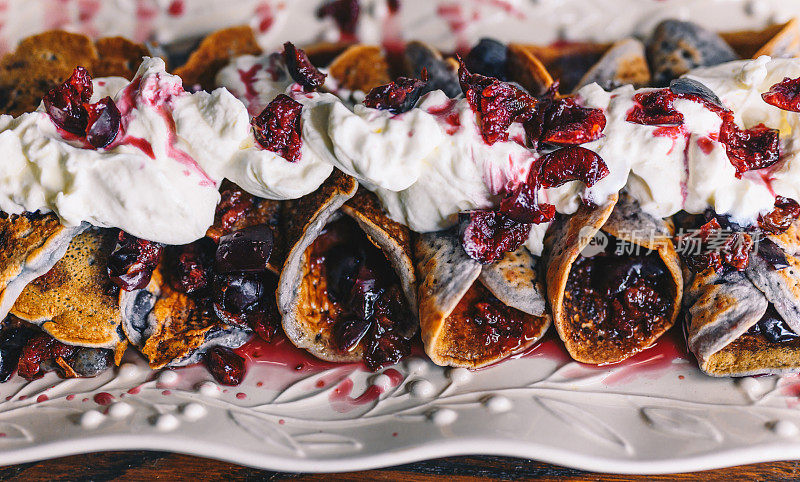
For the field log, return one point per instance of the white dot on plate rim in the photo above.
(167, 422)
(443, 416)
(459, 375)
(785, 428)
(92, 419)
(168, 378)
(209, 389)
(119, 410)
(421, 388)
(416, 365)
(497, 403)
(193, 411)
(128, 370)
(382, 381)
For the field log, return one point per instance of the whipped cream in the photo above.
(157, 180)
(461, 173)
(256, 81)
(669, 168)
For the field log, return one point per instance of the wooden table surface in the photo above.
(165, 466)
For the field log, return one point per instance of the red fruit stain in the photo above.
(135, 390)
(260, 384)
(23, 397)
(241, 396)
(166, 393)
(42, 398)
(281, 422)
(70, 397)
(103, 398)
(342, 401)
(176, 8)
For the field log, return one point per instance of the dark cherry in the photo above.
(654, 108)
(225, 365)
(348, 332)
(497, 104)
(193, 264)
(384, 349)
(342, 269)
(736, 251)
(236, 292)
(397, 97)
(367, 288)
(522, 204)
(103, 122)
(784, 95)
(345, 14)
(623, 272)
(486, 235)
(301, 69)
(772, 254)
(40, 349)
(65, 103)
(778, 220)
(278, 127)
(13, 336)
(685, 87)
(131, 264)
(234, 204)
(245, 250)
(573, 163)
(69, 108)
(773, 327)
(754, 148)
(564, 122)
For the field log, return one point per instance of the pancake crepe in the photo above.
(75, 301)
(614, 280)
(745, 323)
(472, 315)
(31, 245)
(184, 310)
(347, 289)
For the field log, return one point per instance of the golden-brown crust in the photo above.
(214, 53)
(118, 56)
(43, 61)
(461, 343)
(360, 67)
(779, 40)
(525, 68)
(565, 244)
(74, 301)
(565, 62)
(303, 220)
(180, 329)
(753, 354)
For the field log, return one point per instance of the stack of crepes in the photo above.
(349, 263)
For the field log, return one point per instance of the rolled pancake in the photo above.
(302, 293)
(171, 328)
(588, 337)
(453, 284)
(75, 301)
(624, 63)
(723, 309)
(31, 245)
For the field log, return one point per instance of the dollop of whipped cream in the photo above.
(429, 163)
(669, 168)
(157, 180)
(256, 81)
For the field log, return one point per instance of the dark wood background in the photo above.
(165, 466)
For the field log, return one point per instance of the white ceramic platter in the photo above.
(654, 414)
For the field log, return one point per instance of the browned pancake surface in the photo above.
(75, 301)
(214, 53)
